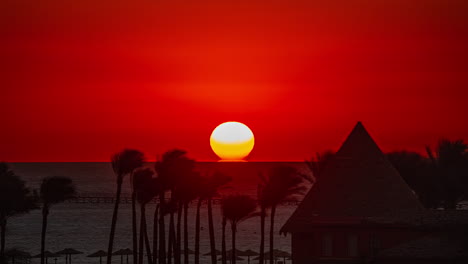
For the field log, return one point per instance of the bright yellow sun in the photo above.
(232, 141)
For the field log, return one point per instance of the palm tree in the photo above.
(146, 188)
(223, 240)
(283, 183)
(235, 209)
(188, 190)
(451, 166)
(53, 190)
(318, 164)
(208, 190)
(15, 199)
(155, 233)
(418, 173)
(170, 169)
(123, 163)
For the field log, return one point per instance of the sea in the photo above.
(85, 226)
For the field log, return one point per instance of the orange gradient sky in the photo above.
(83, 79)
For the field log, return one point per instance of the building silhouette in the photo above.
(360, 210)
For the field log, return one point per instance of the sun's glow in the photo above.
(232, 141)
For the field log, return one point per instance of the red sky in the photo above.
(83, 79)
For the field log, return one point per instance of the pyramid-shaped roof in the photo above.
(358, 183)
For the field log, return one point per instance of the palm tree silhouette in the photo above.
(451, 166)
(53, 190)
(418, 173)
(283, 183)
(123, 163)
(208, 190)
(235, 209)
(318, 164)
(170, 169)
(146, 188)
(155, 233)
(15, 199)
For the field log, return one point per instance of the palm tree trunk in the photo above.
(142, 233)
(233, 238)
(171, 239)
(155, 234)
(45, 213)
(223, 242)
(134, 227)
(147, 244)
(197, 232)
(179, 235)
(262, 234)
(2, 235)
(211, 231)
(162, 231)
(272, 232)
(114, 220)
(186, 259)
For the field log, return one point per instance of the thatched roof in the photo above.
(358, 183)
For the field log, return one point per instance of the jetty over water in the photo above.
(96, 198)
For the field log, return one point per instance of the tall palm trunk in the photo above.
(197, 232)
(155, 234)
(186, 259)
(114, 220)
(134, 226)
(2, 235)
(211, 231)
(272, 232)
(147, 245)
(45, 213)
(162, 231)
(171, 239)
(142, 233)
(179, 234)
(233, 240)
(262, 234)
(223, 242)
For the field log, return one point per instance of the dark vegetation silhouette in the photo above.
(318, 164)
(123, 163)
(282, 183)
(53, 190)
(146, 188)
(209, 189)
(15, 199)
(439, 180)
(235, 209)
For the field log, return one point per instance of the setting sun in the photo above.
(232, 141)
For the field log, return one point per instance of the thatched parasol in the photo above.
(248, 253)
(68, 252)
(98, 254)
(47, 255)
(15, 253)
(123, 252)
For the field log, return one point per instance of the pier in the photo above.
(89, 198)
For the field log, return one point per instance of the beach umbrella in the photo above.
(229, 256)
(98, 254)
(15, 253)
(248, 253)
(123, 252)
(47, 255)
(217, 252)
(68, 252)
